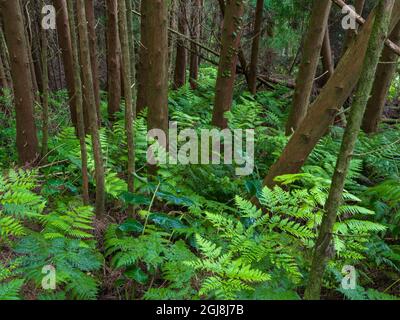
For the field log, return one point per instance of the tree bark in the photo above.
(231, 35)
(141, 101)
(309, 63)
(79, 102)
(351, 34)
(326, 106)
(383, 80)
(126, 73)
(181, 59)
(327, 58)
(27, 141)
(375, 46)
(3, 77)
(195, 31)
(89, 7)
(45, 93)
(113, 59)
(89, 93)
(155, 40)
(255, 47)
(64, 37)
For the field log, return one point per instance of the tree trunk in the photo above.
(6, 57)
(126, 73)
(155, 40)
(64, 37)
(132, 47)
(228, 61)
(113, 60)
(141, 101)
(180, 59)
(309, 63)
(79, 101)
(255, 47)
(351, 34)
(45, 93)
(27, 142)
(383, 80)
(325, 108)
(195, 31)
(327, 59)
(89, 93)
(3, 77)
(374, 50)
(89, 7)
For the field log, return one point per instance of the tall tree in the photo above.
(89, 93)
(64, 38)
(45, 92)
(79, 101)
(195, 31)
(113, 59)
(155, 40)
(91, 25)
(383, 80)
(181, 56)
(231, 35)
(309, 63)
(375, 46)
(255, 47)
(324, 109)
(126, 73)
(27, 141)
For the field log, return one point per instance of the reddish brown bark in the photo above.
(89, 7)
(27, 142)
(383, 80)
(64, 38)
(195, 31)
(255, 47)
(113, 59)
(324, 109)
(180, 58)
(155, 40)
(228, 61)
(309, 63)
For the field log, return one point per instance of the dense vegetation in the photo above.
(198, 231)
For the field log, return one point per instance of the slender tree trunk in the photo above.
(328, 67)
(327, 58)
(351, 33)
(155, 40)
(141, 101)
(325, 108)
(89, 93)
(375, 46)
(132, 50)
(383, 80)
(309, 63)
(195, 31)
(180, 59)
(27, 141)
(255, 47)
(79, 101)
(113, 59)
(228, 61)
(45, 93)
(6, 57)
(89, 7)
(126, 73)
(3, 77)
(64, 37)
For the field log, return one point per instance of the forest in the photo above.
(199, 150)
